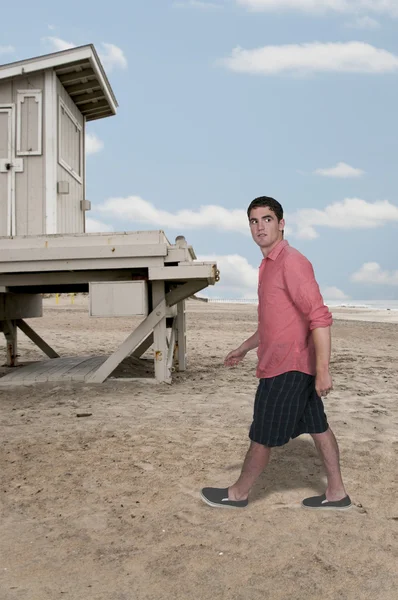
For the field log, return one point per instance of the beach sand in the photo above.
(107, 507)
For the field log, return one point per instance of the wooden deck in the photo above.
(76, 369)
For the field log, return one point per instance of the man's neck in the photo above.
(267, 251)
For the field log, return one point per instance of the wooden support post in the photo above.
(133, 340)
(146, 344)
(181, 337)
(162, 372)
(36, 339)
(9, 329)
(172, 345)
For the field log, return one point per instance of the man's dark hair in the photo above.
(266, 201)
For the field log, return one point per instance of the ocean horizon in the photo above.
(369, 304)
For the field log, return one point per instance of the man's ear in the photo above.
(281, 224)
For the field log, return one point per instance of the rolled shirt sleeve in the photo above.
(304, 291)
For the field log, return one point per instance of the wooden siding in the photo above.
(29, 185)
(4, 177)
(70, 217)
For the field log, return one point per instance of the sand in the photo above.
(107, 507)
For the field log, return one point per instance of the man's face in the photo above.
(264, 227)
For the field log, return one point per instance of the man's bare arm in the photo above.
(323, 344)
(239, 354)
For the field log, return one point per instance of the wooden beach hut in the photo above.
(45, 103)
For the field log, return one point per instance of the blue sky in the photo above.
(224, 101)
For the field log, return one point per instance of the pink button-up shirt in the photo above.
(290, 306)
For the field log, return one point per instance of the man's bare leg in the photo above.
(256, 460)
(328, 449)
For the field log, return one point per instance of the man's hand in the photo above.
(235, 357)
(323, 383)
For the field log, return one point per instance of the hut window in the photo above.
(70, 142)
(29, 122)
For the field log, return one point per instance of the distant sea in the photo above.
(370, 304)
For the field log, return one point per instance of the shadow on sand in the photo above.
(296, 465)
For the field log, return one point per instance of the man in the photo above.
(294, 344)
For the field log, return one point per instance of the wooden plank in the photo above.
(191, 271)
(77, 265)
(84, 98)
(36, 339)
(181, 337)
(80, 253)
(75, 76)
(144, 346)
(64, 278)
(185, 290)
(162, 373)
(84, 239)
(96, 106)
(130, 344)
(172, 345)
(78, 88)
(9, 329)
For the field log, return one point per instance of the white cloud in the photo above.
(341, 170)
(320, 6)
(363, 23)
(94, 226)
(135, 209)
(93, 144)
(197, 4)
(112, 57)
(334, 293)
(7, 49)
(372, 272)
(57, 44)
(316, 57)
(352, 213)
(238, 278)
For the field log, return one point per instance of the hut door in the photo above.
(7, 177)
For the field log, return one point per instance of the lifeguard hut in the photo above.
(45, 103)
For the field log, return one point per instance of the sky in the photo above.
(222, 101)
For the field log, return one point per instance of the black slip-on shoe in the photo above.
(218, 497)
(321, 503)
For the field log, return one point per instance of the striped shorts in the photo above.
(285, 407)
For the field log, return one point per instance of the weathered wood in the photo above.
(142, 348)
(181, 337)
(10, 332)
(130, 344)
(172, 345)
(82, 252)
(185, 290)
(36, 339)
(88, 264)
(162, 373)
(200, 271)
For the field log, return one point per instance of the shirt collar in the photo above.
(275, 252)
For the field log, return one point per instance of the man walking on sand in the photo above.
(294, 344)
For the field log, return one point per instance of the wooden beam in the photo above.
(172, 344)
(144, 346)
(36, 339)
(83, 98)
(9, 329)
(130, 344)
(185, 290)
(75, 76)
(82, 252)
(78, 88)
(197, 271)
(181, 337)
(94, 107)
(162, 373)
